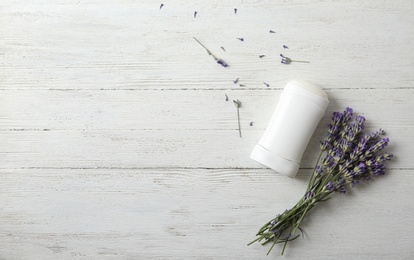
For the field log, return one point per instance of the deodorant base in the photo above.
(274, 161)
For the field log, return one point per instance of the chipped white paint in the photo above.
(116, 141)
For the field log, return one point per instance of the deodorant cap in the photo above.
(300, 108)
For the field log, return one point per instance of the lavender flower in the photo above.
(347, 157)
(330, 186)
(286, 60)
(219, 61)
(237, 103)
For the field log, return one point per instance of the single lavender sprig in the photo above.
(237, 103)
(287, 60)
(348, 157)
(219, 61)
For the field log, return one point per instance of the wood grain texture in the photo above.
(116, 141)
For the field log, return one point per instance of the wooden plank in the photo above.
(192, 213)
(134, 45)
(156, 148)
(183, 109)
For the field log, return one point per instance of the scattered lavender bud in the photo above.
(222, 63)
(267, 85)
(235, 10)
(240, 39)
(227, 98)
(161, 5)
(261, 56)
(195, 14)
(286, 47)
(236, 80)
(286, 60)
(241, 85)
(251, 123)
(223, 48)
(272, 31)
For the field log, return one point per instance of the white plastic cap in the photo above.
(298, 112)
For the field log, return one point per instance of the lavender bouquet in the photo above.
(347, 157)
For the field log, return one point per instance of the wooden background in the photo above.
(116, 141)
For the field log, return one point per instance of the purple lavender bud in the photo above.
(388, 156)
(240, 39)
(340, 186)
(360, 120)
(360, 169)
(309, 195)
(330, 186)
(286, 60)
(324, 145)
(222, 63)
(271, 31)
(381, 132)
(348, 114)
(285, 47)
(327, 160)
(378, 170)
(319, 170)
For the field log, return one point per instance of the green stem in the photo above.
(303, 61)
(314, 171)
(287, 240)
(208, 51)
(238, 120)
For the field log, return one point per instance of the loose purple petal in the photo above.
(271, 31)
(222, 63)
(240, 39)
(161, 6)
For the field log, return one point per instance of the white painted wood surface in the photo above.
(116, 141)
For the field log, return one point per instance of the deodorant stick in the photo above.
(300, 108)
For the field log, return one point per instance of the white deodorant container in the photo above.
(300, 108)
